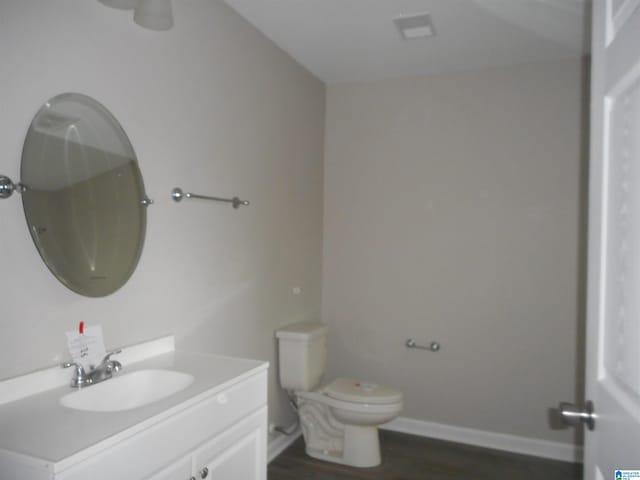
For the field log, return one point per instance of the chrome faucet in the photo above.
(104, 371)
(80, 377)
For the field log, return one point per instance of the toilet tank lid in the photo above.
(303, 331)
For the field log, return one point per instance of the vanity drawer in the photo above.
(145, 452)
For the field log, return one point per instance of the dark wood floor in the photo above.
(408, 457)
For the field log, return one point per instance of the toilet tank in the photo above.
(302, 354)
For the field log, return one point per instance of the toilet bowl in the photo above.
(339, 420)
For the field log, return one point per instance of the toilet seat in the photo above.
(356, 391)
(364, 408)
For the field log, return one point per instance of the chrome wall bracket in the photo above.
(177, 194)
(433, 346)
(7, 187)
(146, 201)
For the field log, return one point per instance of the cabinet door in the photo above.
(180, 470)
(239, 453)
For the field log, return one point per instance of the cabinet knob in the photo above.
(204, 472)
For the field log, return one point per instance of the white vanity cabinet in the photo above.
(180, 470)
(215, 429)
(225, 433)
(238, 453)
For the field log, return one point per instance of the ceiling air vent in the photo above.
(412, 27)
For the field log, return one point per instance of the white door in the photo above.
(613, 309)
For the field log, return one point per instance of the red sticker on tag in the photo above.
(81, 328)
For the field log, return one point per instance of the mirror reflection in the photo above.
(84, 199)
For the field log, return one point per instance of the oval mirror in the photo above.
(84, 197)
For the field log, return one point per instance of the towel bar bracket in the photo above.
(432, 347)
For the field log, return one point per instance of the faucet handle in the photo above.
(79, 378)
(108, 355)
(79, 367)
(111, 366)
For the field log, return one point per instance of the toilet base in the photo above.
(343, 432)
(361, 448)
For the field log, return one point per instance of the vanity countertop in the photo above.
(38, 429)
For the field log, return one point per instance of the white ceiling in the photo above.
(356, 40)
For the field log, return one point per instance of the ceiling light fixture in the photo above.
(412, 27)
(120, 4)
(152, 14)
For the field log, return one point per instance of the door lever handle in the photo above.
(571, 415)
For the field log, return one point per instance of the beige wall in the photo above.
(210, 106)
(452, 207)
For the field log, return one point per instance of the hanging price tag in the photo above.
(87, 348)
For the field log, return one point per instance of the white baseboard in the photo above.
(278, 442)
(500, 441)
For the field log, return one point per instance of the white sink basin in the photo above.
(128, 391)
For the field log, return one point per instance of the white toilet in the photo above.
(339, 420)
